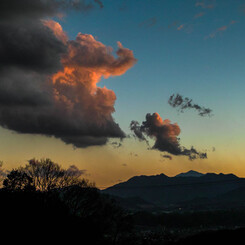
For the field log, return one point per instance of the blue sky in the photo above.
(188, 61)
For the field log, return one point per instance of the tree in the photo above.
(18, 180)
(45, 175)
(62, 197)
(2, 174)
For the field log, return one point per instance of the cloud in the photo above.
(48, 83)
(181, 103)
(187, 28)
(173, 24)
(149, 22)
(36, 9)
(132, 154)
(57, 30)
(199, 15)
(165, 135)
(206, 4)
(138, 133)
(220, 29)
(29, 46)
(180, 27)
(166, 156)
(116, 145)
(99, 3)
(74, 171)
(123, 6)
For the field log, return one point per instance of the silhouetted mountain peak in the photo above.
(190, 173)
(158, 176)
(164, 191)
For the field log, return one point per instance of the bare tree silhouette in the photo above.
(45, 175)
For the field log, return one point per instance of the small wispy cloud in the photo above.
(186, 27)
(133, 154)
(167, 156)
(206, 4)
(180, 27)
(173, 24)
(123, 6)
(220, 30)
(199, 15)
(149, 22)
(184, 103)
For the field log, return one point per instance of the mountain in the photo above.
(190, 173)
(187, 190)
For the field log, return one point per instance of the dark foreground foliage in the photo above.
(44, 203)
(60, 216)
(202, 220)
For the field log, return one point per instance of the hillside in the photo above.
(187, 190)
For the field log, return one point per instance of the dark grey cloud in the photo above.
(183, 103)
(166, 156)
(116, 144)
(45, 84)
(30, 46)
(74, 171)
(36, 9)
(165, 135)
(21, 88)
(137, 130)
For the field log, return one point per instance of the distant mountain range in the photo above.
(190, 191)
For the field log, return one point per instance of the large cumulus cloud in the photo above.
(48, 83)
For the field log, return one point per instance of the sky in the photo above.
(74, 75)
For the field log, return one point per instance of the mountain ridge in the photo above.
(147, 179)
(164, 191)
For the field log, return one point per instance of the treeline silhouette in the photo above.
(45, 203)
(53, 204)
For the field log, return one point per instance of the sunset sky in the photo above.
(59, 87)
